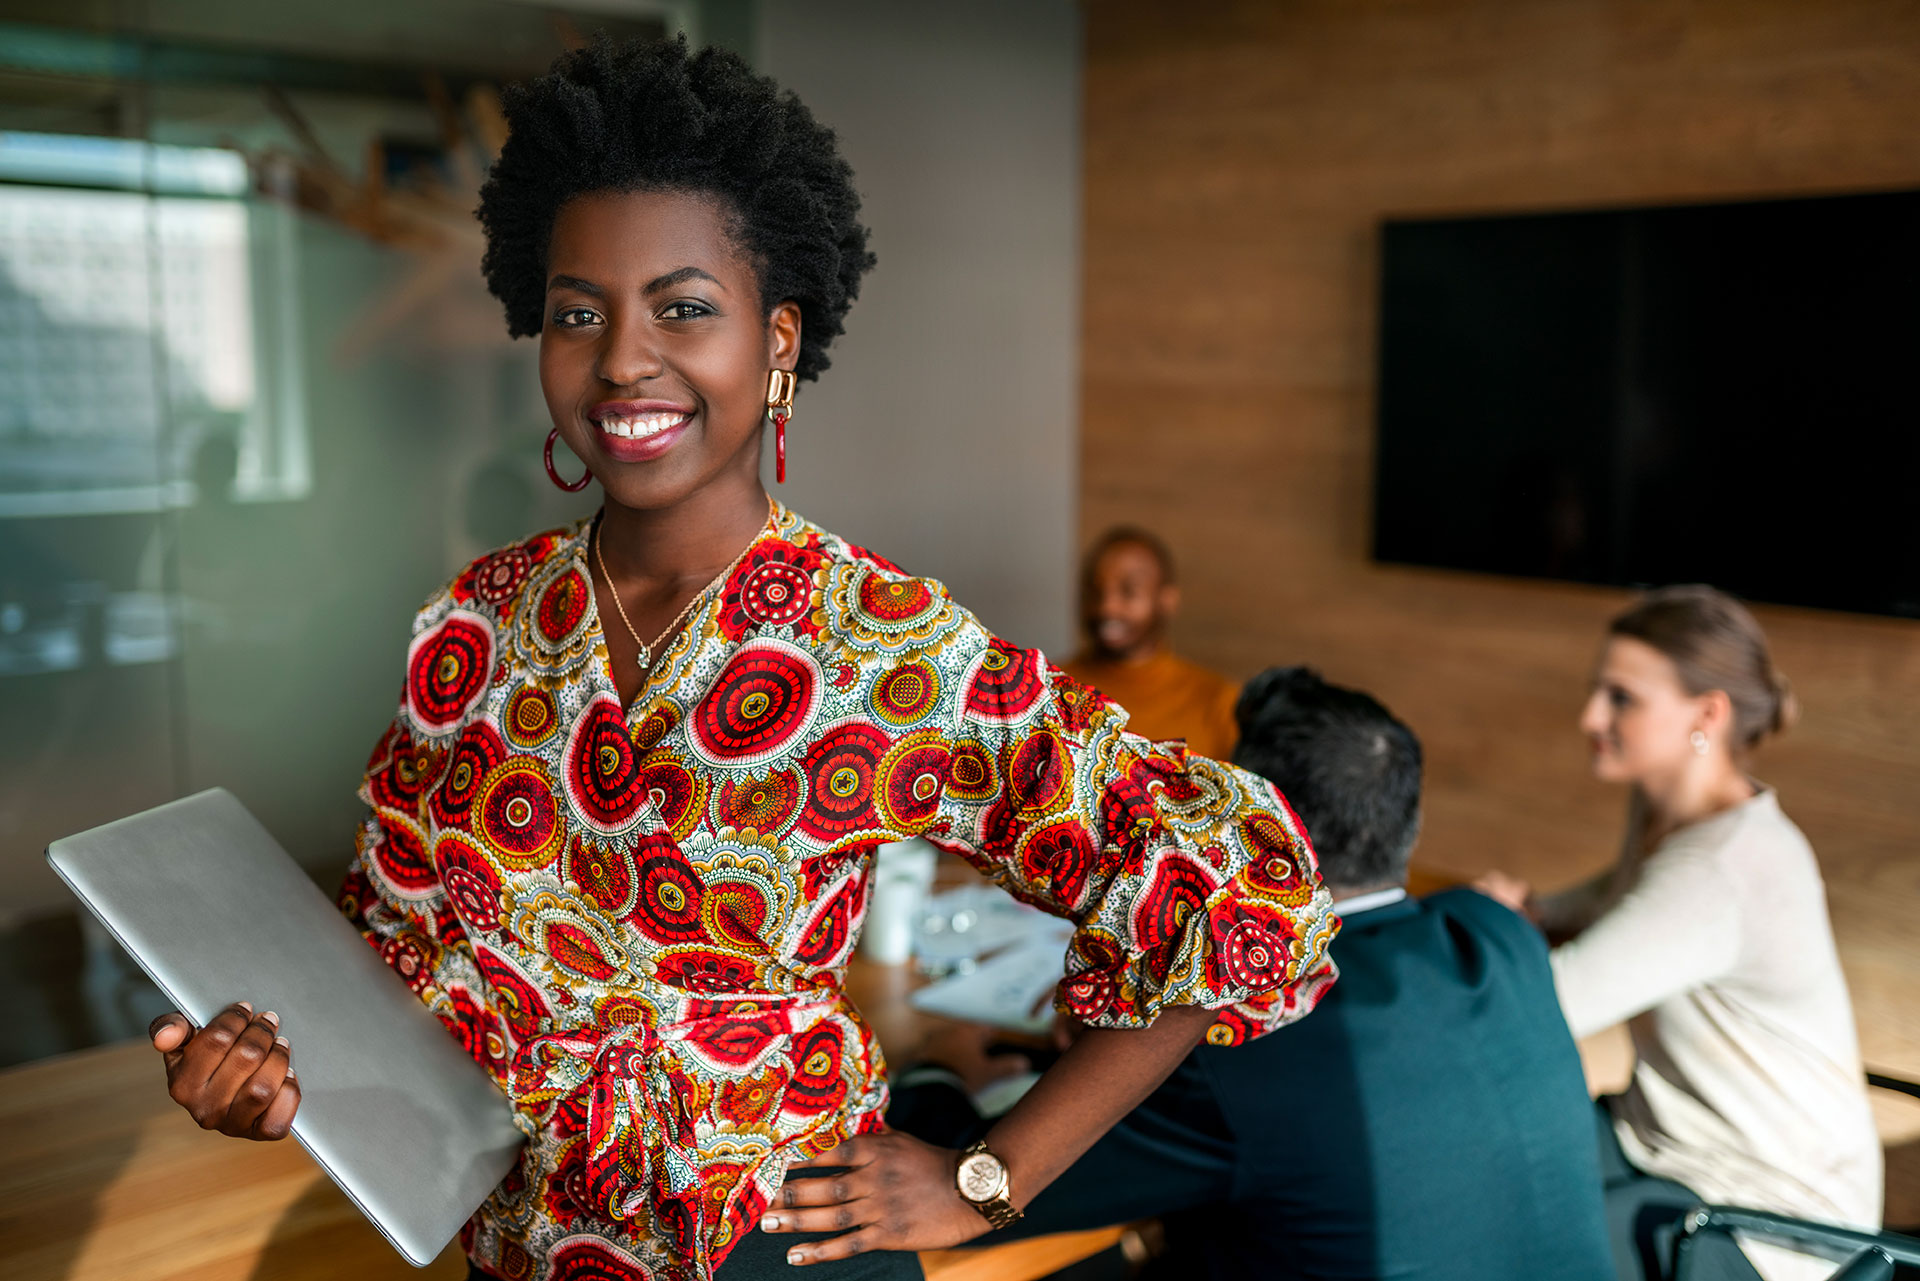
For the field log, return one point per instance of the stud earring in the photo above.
(1699, 740)
(780, 408)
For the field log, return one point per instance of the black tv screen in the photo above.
(1727, 394)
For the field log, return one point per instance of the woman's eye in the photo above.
(685, 311)
(1618, 699)
(575, 317)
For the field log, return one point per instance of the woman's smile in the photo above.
(638, 431)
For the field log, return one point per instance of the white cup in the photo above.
(902, 881)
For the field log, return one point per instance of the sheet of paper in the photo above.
(1012, 989)
(969, 922)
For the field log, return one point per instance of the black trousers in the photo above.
(762, 1256)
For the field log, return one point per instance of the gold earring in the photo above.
(780, 390)
(780, 408)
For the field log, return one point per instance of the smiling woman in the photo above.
(628, 873)
(1710, 939)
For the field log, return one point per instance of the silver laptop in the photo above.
(211, 906)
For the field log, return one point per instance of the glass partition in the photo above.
(255, 404)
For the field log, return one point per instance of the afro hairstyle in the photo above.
(653, 116)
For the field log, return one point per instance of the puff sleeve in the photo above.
(1190, 882)
(407, 904)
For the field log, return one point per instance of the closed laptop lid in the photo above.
(393, 1109)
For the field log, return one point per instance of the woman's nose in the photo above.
(1593, 716)
(627, 356)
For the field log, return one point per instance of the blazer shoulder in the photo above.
(1485, 914)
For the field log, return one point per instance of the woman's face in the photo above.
(1639, 720)
(655, 354)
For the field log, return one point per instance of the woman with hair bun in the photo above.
(618, 835)
(1710, 937)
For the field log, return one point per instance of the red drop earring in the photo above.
(780, 408)
(554, 476)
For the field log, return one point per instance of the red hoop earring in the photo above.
(780, 408)
(554, 476)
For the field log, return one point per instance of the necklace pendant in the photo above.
(644, 658)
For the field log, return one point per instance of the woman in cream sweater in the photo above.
(1710, 938)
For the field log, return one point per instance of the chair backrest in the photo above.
(1894, 1083)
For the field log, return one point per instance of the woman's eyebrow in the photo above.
(679, 276)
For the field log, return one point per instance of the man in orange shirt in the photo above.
(1128, 595)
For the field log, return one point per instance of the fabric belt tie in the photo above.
(639, 1104)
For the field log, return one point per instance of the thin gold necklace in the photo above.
(646, 650)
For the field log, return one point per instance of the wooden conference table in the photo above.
(105, 1179)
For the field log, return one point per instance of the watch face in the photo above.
(981, 1177)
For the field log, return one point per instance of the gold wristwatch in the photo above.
(984, 1184)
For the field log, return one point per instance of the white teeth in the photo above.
(641, 427)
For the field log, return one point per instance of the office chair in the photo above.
(1865, 1256)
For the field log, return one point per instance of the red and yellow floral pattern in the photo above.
(638, 919)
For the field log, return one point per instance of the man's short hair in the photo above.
(1132, 536)
(1346, 766)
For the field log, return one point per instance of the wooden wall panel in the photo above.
(1239, 158)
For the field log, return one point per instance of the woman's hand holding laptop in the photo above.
(234, 1075)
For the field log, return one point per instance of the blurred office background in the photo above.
(254, 403)
(1240, 161)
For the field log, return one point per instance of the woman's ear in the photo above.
(783, 336)
(1715, 712)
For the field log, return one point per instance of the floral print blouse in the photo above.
(638, 918)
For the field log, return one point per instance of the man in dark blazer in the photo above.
(1427, 1121)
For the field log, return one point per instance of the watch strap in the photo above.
(1000, 1212)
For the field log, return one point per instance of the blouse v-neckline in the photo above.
(654, 686)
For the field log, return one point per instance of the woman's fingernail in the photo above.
(771, 1223)
(283, 1042)
(270, 1019)
(795, 1257)
(245, 1005)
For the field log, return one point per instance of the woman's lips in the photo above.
(637, 433)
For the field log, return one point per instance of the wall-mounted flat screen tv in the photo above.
(1725, 393)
